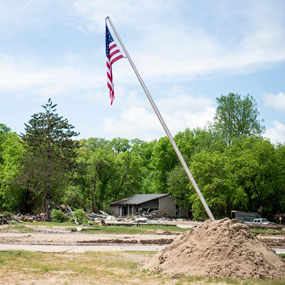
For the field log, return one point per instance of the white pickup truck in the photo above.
(261, 221)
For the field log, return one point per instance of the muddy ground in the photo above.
(67, 242)
(61, 238)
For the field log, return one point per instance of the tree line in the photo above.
(234, 166)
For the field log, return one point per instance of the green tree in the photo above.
(217, 181)
(11, 154)
(131, 175)
(4, 131)
(255, 168)
(179, 186)
(94, 143)
(236, 116)
(164, 159)
(101, 171)
(120, 145)
(50, 154)
(190, 143)
(278, 195)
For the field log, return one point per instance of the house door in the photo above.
(125, 210)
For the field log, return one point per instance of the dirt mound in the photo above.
(218, 249)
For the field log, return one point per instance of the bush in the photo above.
(7, 215)
(58, 216)
(81, 217)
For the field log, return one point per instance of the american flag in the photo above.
(112, 55)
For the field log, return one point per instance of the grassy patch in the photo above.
(10, 255)
(142, 229)
(16, 228)
(102, 267)
(267, 231)
(50, 224)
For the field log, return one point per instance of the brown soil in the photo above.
(273, 240)
(218, 249)
(81, 239)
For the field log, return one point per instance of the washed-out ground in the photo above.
(22, 267)
(66, 239)
(57, 255)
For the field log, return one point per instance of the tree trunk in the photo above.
(93, 190)
(48, 187)
(93, 200)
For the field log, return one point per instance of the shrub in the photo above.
(58, 216)
(7, 215)
(81, 217)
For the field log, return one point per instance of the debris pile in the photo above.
(3, 220)
(109, 220)
(155, 214)
(19, 218)
(220, 248)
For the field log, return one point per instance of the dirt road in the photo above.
(64, 241)
(81, 248)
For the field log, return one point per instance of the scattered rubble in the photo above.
(3, 220)
(101, 218)
(74, 217)
(152, 218)
(19, 218)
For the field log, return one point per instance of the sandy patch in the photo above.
(218, 249)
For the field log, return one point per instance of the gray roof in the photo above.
(138, 199)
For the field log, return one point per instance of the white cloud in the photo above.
(134, 118)
(166, 47)
(275, 101)
(180, 49)
(169, 41)
(276, 134)
(182, 110)
(37, 77)
(135, 122)
(178, 110)
(122, 12)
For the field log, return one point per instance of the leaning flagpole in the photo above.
(180, 157)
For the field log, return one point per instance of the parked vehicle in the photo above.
(261, 221)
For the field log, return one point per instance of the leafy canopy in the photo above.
(236, 116)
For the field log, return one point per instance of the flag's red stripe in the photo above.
(110, 76)
(109, 86)
(113, 53)
(112, 45)
(116, 58)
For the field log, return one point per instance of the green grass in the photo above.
(267, 231)
(17, 228)
(142, 229)
(50, 224)
(95, 268)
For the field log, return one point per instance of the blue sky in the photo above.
(188, 53)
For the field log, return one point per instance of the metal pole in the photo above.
(180, 157)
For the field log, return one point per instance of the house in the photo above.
(139, 203)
